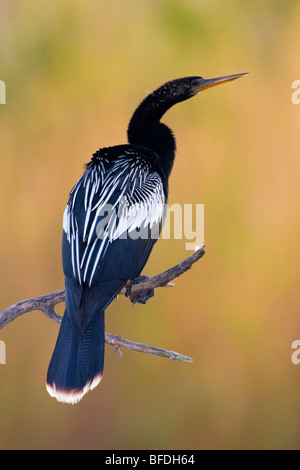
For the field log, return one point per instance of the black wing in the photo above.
(112, 221)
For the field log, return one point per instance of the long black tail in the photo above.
(76, 365)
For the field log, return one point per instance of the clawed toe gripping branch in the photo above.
(138, 290)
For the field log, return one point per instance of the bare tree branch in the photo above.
(117, 342)
(138, 290)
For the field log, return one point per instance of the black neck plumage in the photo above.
(146, 129)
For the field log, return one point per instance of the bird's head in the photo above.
(145, 127)
(183, 88)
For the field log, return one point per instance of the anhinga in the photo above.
(108, 225)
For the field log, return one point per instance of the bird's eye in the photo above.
(195, 81)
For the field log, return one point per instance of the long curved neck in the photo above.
(146, 129)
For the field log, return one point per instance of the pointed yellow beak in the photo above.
(204, 83)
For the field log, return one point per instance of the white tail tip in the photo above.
(71, 396)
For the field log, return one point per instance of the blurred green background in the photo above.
(75, 70)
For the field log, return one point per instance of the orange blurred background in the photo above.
(74, 73)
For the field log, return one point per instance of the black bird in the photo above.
(111, 222)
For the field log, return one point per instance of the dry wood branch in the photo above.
(137, 290)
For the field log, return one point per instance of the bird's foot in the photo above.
(141, 296)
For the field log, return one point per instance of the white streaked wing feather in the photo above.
(139, 203)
